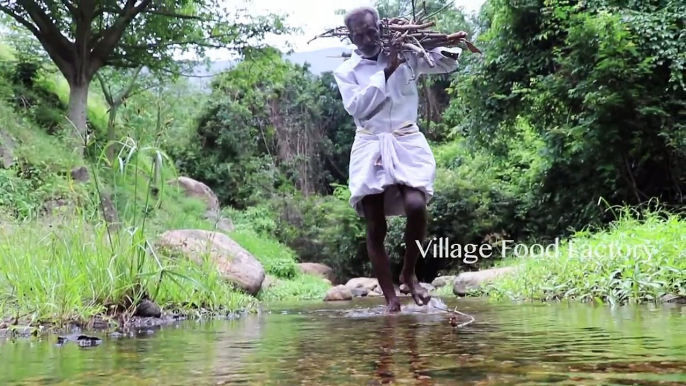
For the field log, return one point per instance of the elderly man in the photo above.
(392, 167)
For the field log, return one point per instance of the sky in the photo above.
(313, 17)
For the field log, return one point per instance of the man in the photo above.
(392, 167)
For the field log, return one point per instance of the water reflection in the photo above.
(327, 344)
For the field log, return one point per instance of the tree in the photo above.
(83, 36)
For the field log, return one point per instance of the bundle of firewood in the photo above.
(416, 36)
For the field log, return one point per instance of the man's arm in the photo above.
(360, 101)
(445, 59)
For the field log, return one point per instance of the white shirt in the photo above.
(389, 149)
(379, 105)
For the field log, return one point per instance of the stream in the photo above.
(349, 343)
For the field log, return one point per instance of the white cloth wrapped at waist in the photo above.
(380, 161)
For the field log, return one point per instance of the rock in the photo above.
(327, 281)
(80, 174)
(472, 280)
(428, 286)
(197, 189)
(359, 292)
(404, 290)
(671, 298)
(338, 293)
(233, 262)
(225, 225)
(375, 293)
(7, 146)
(442, 281)
(268, 281)
(367, 283)
(79, 339)
(221, 223)
(148, 309)
(318, 270)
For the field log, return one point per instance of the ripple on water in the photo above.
(353, 343)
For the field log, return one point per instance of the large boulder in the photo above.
(317, 269)
(234, 263)
(338, 293)
(197, 189)
(368, 283)
(473, 280)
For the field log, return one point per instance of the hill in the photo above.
(320, 61)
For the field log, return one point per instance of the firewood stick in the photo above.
(427, 56)
(410, 26)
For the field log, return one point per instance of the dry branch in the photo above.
(454, 319)
(415, 35)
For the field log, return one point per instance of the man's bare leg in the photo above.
(415, 231)
(373, 207)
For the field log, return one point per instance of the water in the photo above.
(327, 344)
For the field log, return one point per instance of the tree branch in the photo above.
(46, 26)
(111, 36)
(120, 63)
(105, 89)
(174, 15)
(57, 46)
(122, 95)
(69, 6)
(32, 28)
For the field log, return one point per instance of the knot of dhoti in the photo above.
(388, 156)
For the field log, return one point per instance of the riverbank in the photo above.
(638, 259)
(68, 272)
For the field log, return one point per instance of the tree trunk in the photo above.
(77, 113)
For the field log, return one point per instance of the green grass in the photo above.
(69, 271)
(301, 287)
(648, 260)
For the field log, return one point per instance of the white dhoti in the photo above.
(379, 162)
(383, 156)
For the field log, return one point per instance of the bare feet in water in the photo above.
(393, 307)
(419, 294)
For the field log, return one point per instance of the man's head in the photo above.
(365, 30)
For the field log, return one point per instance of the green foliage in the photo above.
(276, 260)
(301, 287)
(637, 259)
(122, 39)
(324, 230)
(264, 131)
(600, 84)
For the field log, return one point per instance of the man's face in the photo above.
(365, 34)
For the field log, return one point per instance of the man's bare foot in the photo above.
(393, 307)
(419, 294)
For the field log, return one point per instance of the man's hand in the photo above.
(395, 58)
